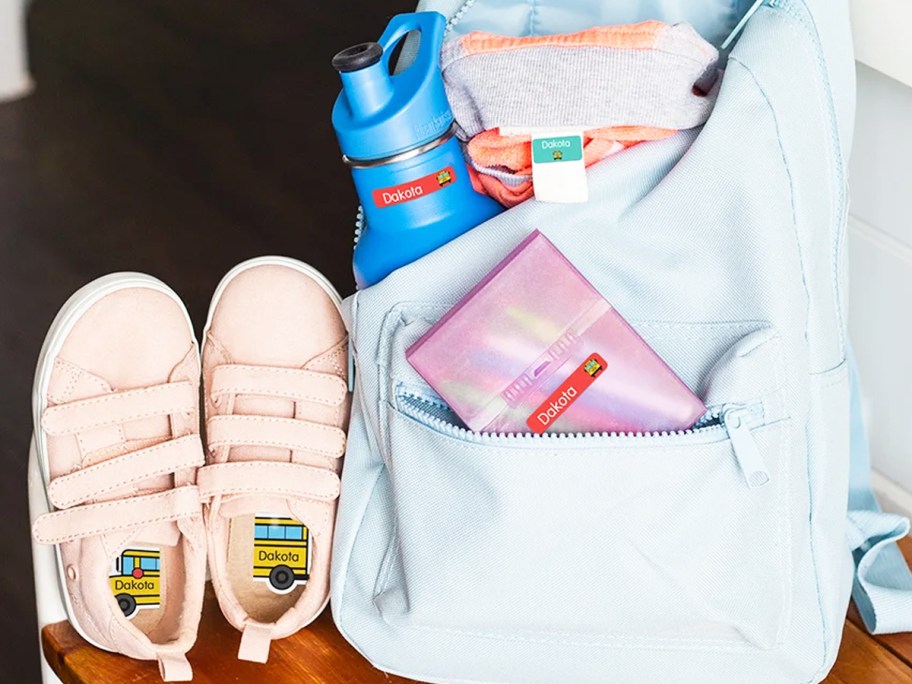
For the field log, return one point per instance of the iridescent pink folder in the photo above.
(535, 347)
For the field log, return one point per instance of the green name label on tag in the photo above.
(563, 148)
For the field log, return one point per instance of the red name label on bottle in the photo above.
(406, 192)
(564, 396)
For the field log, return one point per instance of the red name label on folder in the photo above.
(406, 192)
(564, 396)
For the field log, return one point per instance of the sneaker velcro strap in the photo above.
(268, 431)
(90, 520)
(120, 407)
(95, 481)
(289, 383)
(267, 477)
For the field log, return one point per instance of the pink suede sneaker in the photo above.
(116, 410)
(276, 406)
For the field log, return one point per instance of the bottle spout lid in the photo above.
(379, 113)
(357, 57)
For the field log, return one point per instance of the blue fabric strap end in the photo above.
(882, 589)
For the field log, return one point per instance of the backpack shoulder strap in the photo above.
(882, 589)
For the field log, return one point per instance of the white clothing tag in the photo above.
(558, 167)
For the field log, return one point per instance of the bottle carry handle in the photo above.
(430, 25)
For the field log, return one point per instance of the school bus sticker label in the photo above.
(135, 580)
(412, 190)
(563, 397)
(282, 551)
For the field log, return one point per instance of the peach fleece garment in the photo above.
(501, 165)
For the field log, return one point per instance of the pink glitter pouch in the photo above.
(534, 347)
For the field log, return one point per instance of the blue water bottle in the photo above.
(396, 134)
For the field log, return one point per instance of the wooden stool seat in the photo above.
(320, 654)
(317, 653)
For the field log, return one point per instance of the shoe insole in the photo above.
(145, 583)
(268, 563)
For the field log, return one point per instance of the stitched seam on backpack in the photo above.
(814, 561)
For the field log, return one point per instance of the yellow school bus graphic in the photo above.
(135, 580)
(557, 155)
(593, 367)
(281, 552)
(444, 177)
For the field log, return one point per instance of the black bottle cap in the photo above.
(357, 57)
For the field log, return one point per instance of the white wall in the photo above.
(880, 244)
(14, 76)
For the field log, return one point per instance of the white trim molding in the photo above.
(891, 497)
(880, 238)
(881, 32)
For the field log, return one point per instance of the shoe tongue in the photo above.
(249, 405)
(150, 485)
(304, 510)
(159, 534)
(254, 505)
(329, 361)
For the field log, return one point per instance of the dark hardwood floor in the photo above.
(175, 137)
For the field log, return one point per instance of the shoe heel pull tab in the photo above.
(174, 667)
(255, 641)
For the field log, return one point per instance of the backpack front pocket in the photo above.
(666, 541)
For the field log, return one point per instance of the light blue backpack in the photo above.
(463, 557)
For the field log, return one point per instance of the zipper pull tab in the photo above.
(745, 447)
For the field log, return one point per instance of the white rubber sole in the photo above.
(298, 266)
(70, 313)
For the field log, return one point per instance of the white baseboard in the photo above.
(891, 496)
(880, 29)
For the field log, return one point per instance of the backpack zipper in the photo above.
(741, 24)
(359, 224)
(457, 16)
(735, 421)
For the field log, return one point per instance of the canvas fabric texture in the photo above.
(462, 557)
